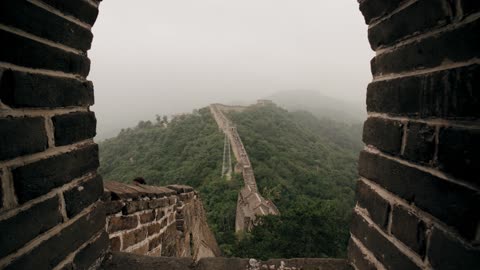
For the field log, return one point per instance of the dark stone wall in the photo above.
(50, 213)
(418, 195)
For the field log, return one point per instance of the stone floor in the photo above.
(128, 261)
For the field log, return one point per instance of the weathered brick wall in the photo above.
(50, 216)
(418, 196)
(157, 221)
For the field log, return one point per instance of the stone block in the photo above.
(42, 23)
(38, 178)
(420, 143)
(453, 204)
(74, 127)
(91, 256)
(447, 253)
(81, 10)
(133, 237)
(373, 9)
(147, 217)
(21, 136)
(446, 93)
(158, 203)
(114, 207)
(82, 195)
(153, 228)
(160, 214)
(51, 252)
(26, 52)
(121, 223)
(377, 207)
(21, 89)
(115, 243)
(382, 248)
(384, 134)
(357, 258)
(134, 206)
(155, 242)
(421, 16)
(409, 229)
(456, 45)
(459, 153)
(28, 224)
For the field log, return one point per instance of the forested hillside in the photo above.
(306, 165)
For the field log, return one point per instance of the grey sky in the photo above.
(161, 57)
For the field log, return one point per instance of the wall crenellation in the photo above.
(157, 221)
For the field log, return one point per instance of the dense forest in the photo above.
(306, 165)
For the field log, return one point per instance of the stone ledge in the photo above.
(127, 261)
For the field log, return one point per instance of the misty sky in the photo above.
(162, 57)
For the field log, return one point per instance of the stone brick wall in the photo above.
(50, 215)
(157, 221)
(418, 195)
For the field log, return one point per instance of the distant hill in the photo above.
(306, 165)
(320, 105)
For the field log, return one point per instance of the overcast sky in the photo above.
(162, 57)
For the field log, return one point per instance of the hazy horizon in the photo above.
(162, 57)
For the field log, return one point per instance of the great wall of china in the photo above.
(250, 202)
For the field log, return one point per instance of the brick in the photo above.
(356, 257)
(142, 250)
(420, 143)
(377, 207)
(445, 94)
(34, 221)
(409, 229)
(157, 203)
(456, 45)
(21, 89)
(83, 195)
(453, 204)
(418, 17)
(384, 250)
(155, 242)
(447, 253)
(42, 23)
(469, 7)
(82, 10)
(373, 9)
(38, 178)
(74, 127)
(51, 252)
(160, 214)
(114, 207)
(147, 217)
(384, 134)
(459, 153)
(133, 237)
(91, 256)
(21, 136)
(115, 243)
(120, 223)
(135, 206)
(153, 229)
(30, 53)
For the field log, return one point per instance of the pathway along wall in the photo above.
(250, 203)
(418, 195)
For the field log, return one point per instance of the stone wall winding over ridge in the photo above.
(157, 221)
(250, 203)
(418, 195)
